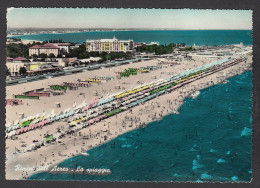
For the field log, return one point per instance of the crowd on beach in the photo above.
(81, 140)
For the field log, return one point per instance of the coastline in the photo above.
(152, 110)
(142, 36)
(165, 150)
(144, 29)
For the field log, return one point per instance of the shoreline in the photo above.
(151, 111)
(145, 29)
(136, 30)
(148, 122)
(126, 144)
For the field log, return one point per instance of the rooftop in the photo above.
(62, 44)
(108, 40)
(44, 46)
(20, 59)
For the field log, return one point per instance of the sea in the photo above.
(209, 140)
(189, 37)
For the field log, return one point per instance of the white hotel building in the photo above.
(49, 48)
(109, 45)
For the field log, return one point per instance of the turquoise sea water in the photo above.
(209, 140)
(189, 37)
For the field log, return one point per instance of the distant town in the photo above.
(27, 59)
(34, 58)
(34, 31)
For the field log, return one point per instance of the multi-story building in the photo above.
(64, 62)
(64, 47)
(44, 49)
(14, 65)
(155, 43)
(49, 48)
(109, 45)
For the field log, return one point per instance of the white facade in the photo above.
(49, 48)
(46, 51)
(109, 45)
(155, 43)
(65, 48)
(14, 67)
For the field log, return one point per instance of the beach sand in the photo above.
(71, 97)
(29, 41)
(107, 129)
(23, 41)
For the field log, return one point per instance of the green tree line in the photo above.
(157, 49)
(19, 50)
(55, 41)
(81, 53)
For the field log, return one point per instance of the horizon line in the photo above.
(121, 28)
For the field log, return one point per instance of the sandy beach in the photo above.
(107, 129)
(106, 88)
(23, 41)
(29, 41)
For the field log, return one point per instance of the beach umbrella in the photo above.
(82, 105)
(47, 116)
(78, 110)
(75, 107)
(12, 133)
(9, 129)
(74, 128)
(34, 121)
(52, 112)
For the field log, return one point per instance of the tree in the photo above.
(22, 71)
(19, 50)
(79, 52)
(56, 41)
(157, 49)
(7, 71)
(51, 55)
(34, 56)
(42, 55)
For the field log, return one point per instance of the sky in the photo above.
(186, 19)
